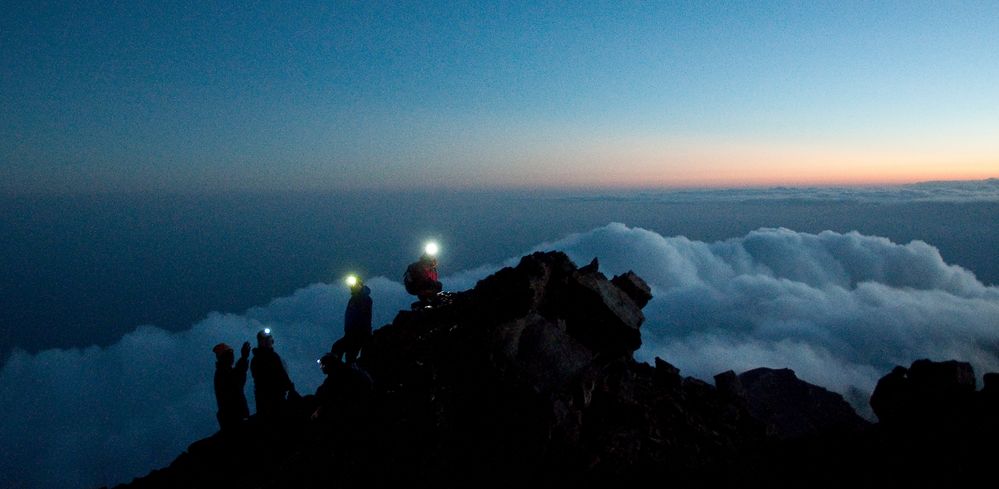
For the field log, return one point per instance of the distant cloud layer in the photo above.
(944, 191)
(840, 309)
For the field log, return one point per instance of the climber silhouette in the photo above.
(420, 278)
(271, 383)
(356, 322)
(229, 384)
(345, 395)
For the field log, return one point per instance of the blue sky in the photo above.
(207, 96)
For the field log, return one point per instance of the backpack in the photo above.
(411, 278)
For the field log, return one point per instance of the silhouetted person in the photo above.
(229, 384)
(345, 395)
(271, 383)
(421, 277)
(356, 323)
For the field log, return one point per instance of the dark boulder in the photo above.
(633, 285)
(917, 443)
(928, 396)
(791, 407)
(892, 397)
(990, 383)
(527, 379)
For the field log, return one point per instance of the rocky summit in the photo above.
(790, 407)
(528, 380)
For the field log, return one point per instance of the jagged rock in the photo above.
(892, 396)
(602, 315)
(593, 267)
(791, 407)
(527, 379)
(946, 378)
(729, 385)
(934, 430)
(667, 376)
(911, 446)
(633, 285)
(930, 396)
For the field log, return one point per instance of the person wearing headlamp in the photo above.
(356, 322)
(420, 278)
(271, 383)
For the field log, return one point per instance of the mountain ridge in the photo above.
(529, 378)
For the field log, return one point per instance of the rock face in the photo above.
(934, 431)
(527, 379)
(790, 407)
(929, 396)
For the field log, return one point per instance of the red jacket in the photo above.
(421, 278)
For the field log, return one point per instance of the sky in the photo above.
(175, 174)
(220, 96)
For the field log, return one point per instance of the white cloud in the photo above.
(839, 309)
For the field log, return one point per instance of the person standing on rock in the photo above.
(421, 277)
(271, 383)
(229, 384)
(356, 322)
(345, 396)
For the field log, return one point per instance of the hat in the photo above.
(221, 348)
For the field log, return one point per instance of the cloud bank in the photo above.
(839, 309)
(966, 191)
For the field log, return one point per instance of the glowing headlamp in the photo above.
(351, 280)
(431, 249)
(267, 330)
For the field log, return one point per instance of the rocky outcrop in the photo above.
(934, 431)
(927, 396)
(530, 377)
(790, 407)
(527, 379)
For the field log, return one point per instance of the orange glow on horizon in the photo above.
(645, 164)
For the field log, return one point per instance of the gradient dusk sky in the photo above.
(215, 96)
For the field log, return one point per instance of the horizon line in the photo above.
(252, 190)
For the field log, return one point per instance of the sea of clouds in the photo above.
(839, 309)
(960, 191)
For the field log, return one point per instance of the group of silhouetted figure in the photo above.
(346, 392)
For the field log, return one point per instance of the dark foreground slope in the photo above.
(935, 430)
(528, 380)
